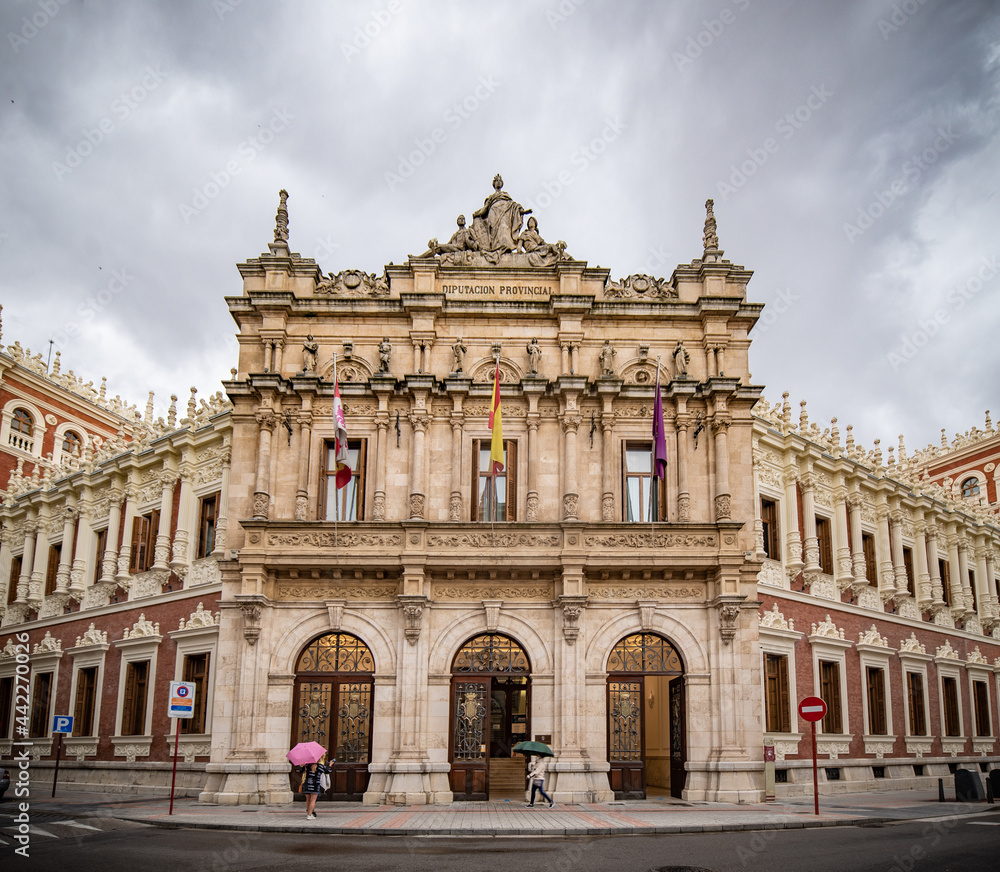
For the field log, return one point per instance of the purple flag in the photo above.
(659, 434)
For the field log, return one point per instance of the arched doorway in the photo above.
(334, 687)
(490, 707)
(645, 716)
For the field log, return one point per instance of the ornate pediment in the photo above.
(353, 283)
(873, 637)
(48, 645)
(200, 617)
(775, 620)
(141, 629)
(496, 238)
(947, 651)
(827, 629)
(911, 646)
(639, 285)
(92, 636)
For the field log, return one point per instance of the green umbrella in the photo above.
(539, 748)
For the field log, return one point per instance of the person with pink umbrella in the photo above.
(316, 774)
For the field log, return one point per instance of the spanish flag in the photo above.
(496, 425)
(341, 455)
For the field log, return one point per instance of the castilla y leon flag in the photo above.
(496, 425)
(659, 435)
(340, 446)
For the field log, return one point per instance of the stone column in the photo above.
(532, 440)
(419, 421)
(608, 467)
(304, 450)
(937, 593)
(455, 500)
(723, 496)
(418, 356)
(808, 483)
(109, 560)
(220, 525)
(278, 346)
(857, 548)
(571, 497)
(954, 571)
(78, 575)
(683, 495)
(381, 438)
(36, 583)
(69, 528)
(161, 552)
(842, 550)
(793, 538)
(27, 561)
(266, 421)
(268, 350)
(564, 348)
(921, 549)
(124, 554)
(886, 575)
(899, 565)
(181, 550)
(966, 600)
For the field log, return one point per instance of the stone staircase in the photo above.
(508, 777)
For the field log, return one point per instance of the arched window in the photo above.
(970, 487)
(71, 443)
(22, 423)
(491, 653)
(645, 652)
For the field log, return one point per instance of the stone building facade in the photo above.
(426, 617)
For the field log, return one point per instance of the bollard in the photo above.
(940, 790)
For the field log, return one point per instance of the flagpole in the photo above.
(652, 463)
(336, 490)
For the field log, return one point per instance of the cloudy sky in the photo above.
(851, 149)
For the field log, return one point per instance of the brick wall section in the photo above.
(806, 614)
(168, 615)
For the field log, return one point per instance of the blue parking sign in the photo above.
(62, 724)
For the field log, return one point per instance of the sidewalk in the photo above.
(509, 818)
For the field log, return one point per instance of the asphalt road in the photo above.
(957, 845)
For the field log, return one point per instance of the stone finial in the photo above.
(172, 412)
(878, 453)
(803, 417)
(786, 412)
(989, 423)
(850, 438)
(192, 407)
(281, 218)
(892, 459)
(103, 394)
(902, 450)
(944, 439)
(148, 417)
(710, 237)
(834, 432)
(57, 363)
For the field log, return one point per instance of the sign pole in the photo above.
(55, 774)
(177, 742)
(815, 771)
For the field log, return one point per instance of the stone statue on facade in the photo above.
(384, 354)
(540, 252)
(310, 348)
(607, 359)
(534, 355)
(458, 349)
(681, 361)
(497, 225)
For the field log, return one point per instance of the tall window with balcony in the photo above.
(196, 672)
(875, 679)
(134, 701)
(40, 704)
(645, 496)
(494, 497)
(346, 503)
(86, 698)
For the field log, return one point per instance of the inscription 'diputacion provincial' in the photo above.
(499, 290)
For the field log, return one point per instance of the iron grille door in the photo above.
(470, 706)
(625, 737)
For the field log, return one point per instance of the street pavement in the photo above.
(509, 818)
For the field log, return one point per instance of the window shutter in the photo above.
(138, 538)
(511, 471)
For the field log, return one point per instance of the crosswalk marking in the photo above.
(81, 826)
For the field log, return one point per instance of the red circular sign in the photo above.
(812, 708)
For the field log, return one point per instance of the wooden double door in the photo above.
(638, 665)
(489, 717)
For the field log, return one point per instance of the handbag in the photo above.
(324, 780)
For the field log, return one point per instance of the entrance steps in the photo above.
(508, 775)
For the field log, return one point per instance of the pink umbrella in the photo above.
(306, 752)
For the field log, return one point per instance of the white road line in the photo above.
(986, 823)
(81, 826)
(38, 831)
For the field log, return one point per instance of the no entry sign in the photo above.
(812, 708)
